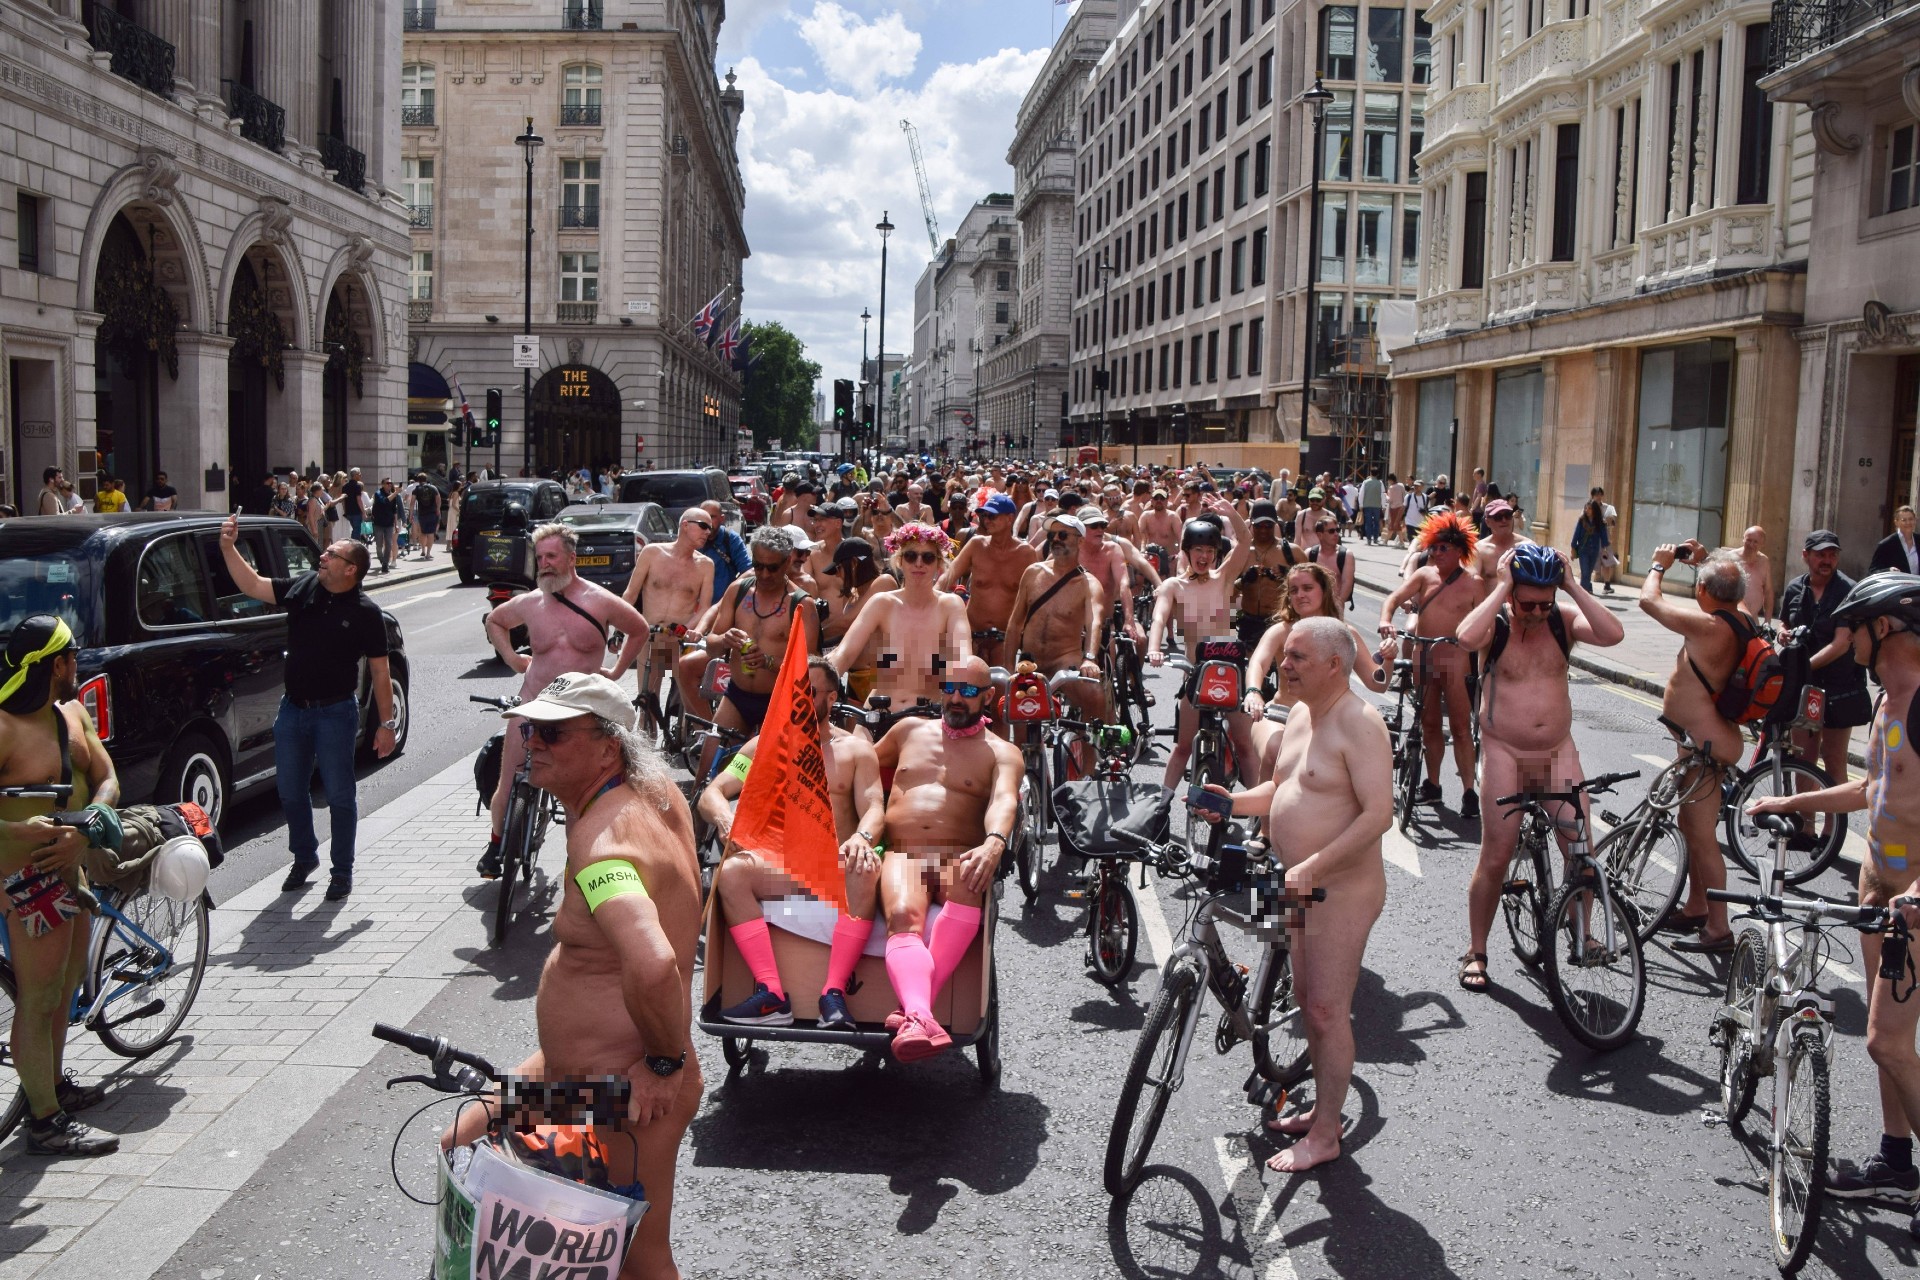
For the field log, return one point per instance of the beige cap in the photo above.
(578, 694)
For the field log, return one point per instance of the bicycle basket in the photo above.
(1028, 700)
(1218, 685)
(484, 1174)
(1091, 810)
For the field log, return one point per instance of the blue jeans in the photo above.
(321, 737)
(1589, 557)
(1370, 526)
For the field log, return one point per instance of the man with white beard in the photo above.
(566, 621)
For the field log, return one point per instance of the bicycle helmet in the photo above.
(179, 869)
(1881, 595)
(1536, 566)
(1201, 533)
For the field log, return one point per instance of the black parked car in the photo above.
(484, 504)
(675, 491)
(607, 538)
(182, 673)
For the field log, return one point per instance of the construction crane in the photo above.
(926, 192)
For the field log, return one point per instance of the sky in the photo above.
(823, 156)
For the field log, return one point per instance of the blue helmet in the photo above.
(1536, 566)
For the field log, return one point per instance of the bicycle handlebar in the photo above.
(1865, 919)
(1060, 679)
(57, 792)
(1589, 786)
(474, 1072)
(500, 704)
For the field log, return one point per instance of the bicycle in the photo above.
(145, 948)
(1126, 687)
(1269, 1021)
(1645, 854)
(1528, 886)
(661, 718)
(1086, 811)
(1404, 727)
(1034, 708)
(1774, 1022)
(515, 1106)
(1595, 970)
(1218, 690)
(530, 811)
(1776, 771)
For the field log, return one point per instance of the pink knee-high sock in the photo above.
(910, 968)
(756, 948)
(949, 939)
(850, 934)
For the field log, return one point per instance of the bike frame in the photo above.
(82, 1010)
(1204, 945)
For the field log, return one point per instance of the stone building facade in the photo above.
(1853, 462)
(1024, 378)
(637, 223)
(954, 324)
(1192, 210)
(1615, 264)
(204, 273)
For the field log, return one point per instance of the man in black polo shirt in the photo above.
(331, 625)
(1809, 601)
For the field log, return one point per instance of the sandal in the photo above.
(1474, 981)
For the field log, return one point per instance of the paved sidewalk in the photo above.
(293, 984)
(408, 568)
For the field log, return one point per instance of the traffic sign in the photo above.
(526, 351)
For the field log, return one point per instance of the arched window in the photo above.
(416, 94)
(580, 94)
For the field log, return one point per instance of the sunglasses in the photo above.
(770, 566)
(1505, 517)
(699, 524)
(552, 733)
(919, 557)
(1533, 606)
(964, 690)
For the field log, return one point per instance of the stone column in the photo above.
(294, 423)
(356, 46)
(193, 420)
(289, 61)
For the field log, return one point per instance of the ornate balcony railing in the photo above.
(581, 15)
(138, 54)
(419, 310)
(417, 15)
(1802, 28)
(581, 115)
(421, 116)
(261, 120)
(420, 215)
(578, 312)
(349, 166)
(576, 217)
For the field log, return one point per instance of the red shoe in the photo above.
(896, 1020)
(919, 1038)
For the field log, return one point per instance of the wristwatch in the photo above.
(995, 835)
(1658, 568)
(864, 836)
(664, 1067)
(392, 726)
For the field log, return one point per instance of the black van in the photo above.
(181, 672)
(484, 504)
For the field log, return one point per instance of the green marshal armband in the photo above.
(739, 766)
(608, 878)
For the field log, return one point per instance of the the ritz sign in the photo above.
(573, 383)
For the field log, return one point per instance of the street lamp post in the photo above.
(1317, 99)
(866, 386)
(529, 142)
(885, 228)
(1106, 373)
(1033, 395)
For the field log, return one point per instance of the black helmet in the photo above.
(1201, 533)
(1882, 595)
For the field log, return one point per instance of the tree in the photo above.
(778, 400)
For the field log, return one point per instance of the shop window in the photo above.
(1680, 455)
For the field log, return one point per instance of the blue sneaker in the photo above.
(1874, 1180)
(833, 1012)
(761, 1009)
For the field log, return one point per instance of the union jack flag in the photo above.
(729, 342)
(708, 318)
(744, 359)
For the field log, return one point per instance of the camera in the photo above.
(1683, 554)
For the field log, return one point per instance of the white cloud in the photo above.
(820, 166)
(859, 54)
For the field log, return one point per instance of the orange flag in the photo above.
(784, 812)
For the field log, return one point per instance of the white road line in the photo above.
(1399, 850)
(458, 617)
(1253, 1205)
(1658, 762)
(430, 595)
(1153, 922)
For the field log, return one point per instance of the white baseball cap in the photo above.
(578, 694)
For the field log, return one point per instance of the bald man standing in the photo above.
(1759, 601)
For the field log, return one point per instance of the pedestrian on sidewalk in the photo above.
(1608, 566)
(1372, 495)
(426, 511)
(1809, 601)
(1589, 539)
(1759, 573)
(1899, 551)
(386, 512)
(331, 625)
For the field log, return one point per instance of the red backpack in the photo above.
(1758, 679)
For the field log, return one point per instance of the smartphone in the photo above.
(1198, 797)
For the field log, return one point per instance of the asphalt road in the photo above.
(1482, 1141)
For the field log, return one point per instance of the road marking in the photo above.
(1658, 762)
(1153, 922)
(431, 595)
(1253, 1205)
(1399, 850)
(458, 617)
(1628, 692)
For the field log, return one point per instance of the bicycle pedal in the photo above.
(1262, 1092)
(1712, 1119)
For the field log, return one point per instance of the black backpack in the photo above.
(1502, 629)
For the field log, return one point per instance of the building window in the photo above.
(1206, 55)
(416, 94)
(1220, 193)
(1473, 232)
(1680, 472)
(1416, 133)
(1200, 205)
(1337, 149)
(1237, 269)
(1243, 97)
(27, 230)
(1265, 94)
(1213, 275)
(1206, 124)
(1433, 427)
(420, 275)
(1903, 168)
(1213, 355)
(1333, 238)
(1241, 165)
(416, 188)
(1258, 274)
(1410, 242)
(1000, 312)
(580, 95)
(1163, 366)
(1003, 280)
(1422, 48)
(579, 277)
(1338, 26)
(1200, 283)
(1756, 122)
(1386, 41)
(1380, 149)
(1004, 244)
(1262, 166)
(1256, 335)
(1372, 242)
(1233, 350)
(1626, 173)
(579, 193)
(1566, 190)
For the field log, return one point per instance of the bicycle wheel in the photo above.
(1647, 866)
(1029, 837)
(13, 1098)
(1150, 1078)
(513, 852)
(1799, 1158)
(1113, 925)
(1735, 1029)
(1808, 854)
(1524, 894)
(1204, 766)
(1279, 1032)
(163, 968)
(1407, 777)
(1594, 965)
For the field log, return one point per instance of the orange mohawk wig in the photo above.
(1445, 526)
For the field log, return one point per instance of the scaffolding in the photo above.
(1359, 402)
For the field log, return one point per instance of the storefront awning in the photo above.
(425, 383)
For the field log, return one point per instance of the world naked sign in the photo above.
(512, 1241)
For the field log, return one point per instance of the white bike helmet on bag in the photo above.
(179, 870)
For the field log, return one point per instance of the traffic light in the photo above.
(842, 402)
(494, 399)
(457, 434)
